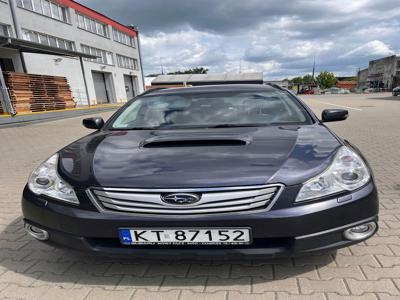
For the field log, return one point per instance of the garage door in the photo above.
(131, 86)
(100, 87)
(130, 93)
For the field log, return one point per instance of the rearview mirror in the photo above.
(93, 123)
(332, 115)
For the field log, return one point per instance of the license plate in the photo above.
(190, 236)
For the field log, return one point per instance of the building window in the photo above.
(37, 6)
(123, 38)
(92, 25)
(5, 30)
(103, 57)
(47, 8)
(48, 40)
(127, 62)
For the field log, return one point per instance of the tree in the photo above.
(197, 70)
(308, 79)
(297, 80)
(153, 75)
(326, 79)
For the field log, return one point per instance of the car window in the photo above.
(211, 110)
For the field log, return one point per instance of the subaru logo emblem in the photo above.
(180, 198)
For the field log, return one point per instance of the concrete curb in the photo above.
(21, 120)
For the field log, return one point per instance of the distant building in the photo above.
(362, 77)
(206, 79)
(346, 84)
(383, 73)
(148, 80)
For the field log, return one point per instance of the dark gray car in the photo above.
(213, 170)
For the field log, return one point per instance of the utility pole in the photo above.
(313, 69)
(161, 65)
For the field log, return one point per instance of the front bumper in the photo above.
(305, 228)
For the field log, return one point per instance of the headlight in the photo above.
(347, 172)
(46, 181)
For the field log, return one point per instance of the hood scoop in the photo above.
(215, 141)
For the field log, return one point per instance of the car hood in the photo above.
(198, 158)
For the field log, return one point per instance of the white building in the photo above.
(114, 76)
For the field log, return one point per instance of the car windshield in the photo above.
(227, 109)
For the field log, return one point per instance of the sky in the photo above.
(277, 37)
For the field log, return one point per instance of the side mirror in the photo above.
(332, 115)
(93, 123)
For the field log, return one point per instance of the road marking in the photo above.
(343, 106)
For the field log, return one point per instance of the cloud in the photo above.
(279, 37)
(182, 50)
(372, 48)
(299, 50)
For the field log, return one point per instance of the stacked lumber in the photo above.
(35, 93)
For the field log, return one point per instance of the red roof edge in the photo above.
(97, 16)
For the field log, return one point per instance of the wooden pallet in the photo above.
(35, 93)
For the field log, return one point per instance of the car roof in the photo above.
(214, 88)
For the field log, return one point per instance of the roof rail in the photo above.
(277, 86)
(151, 90)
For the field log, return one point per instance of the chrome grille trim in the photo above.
(213, 200)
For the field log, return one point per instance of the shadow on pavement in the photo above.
(33, 262)
(394, 98)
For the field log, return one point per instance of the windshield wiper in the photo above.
(139, 128)
(194, 126)
(235, 125)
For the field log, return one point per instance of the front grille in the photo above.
(213, 200)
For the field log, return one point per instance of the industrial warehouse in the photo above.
(61, 54)
(382, 74)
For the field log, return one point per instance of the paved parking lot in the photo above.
(370, 270)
